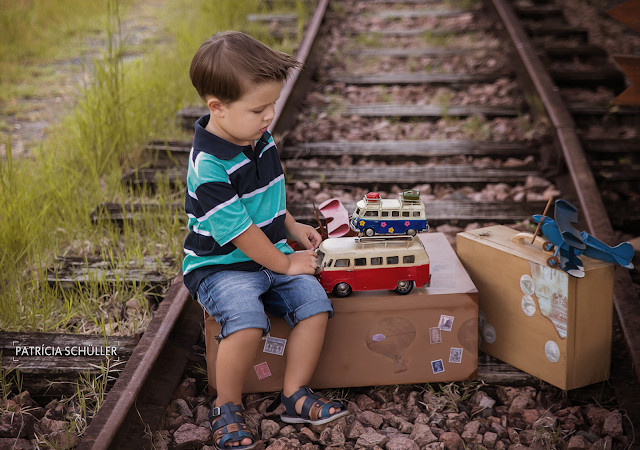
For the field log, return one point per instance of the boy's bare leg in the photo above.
(303, 351)
(235, 357)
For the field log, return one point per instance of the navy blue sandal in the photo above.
(230, 427)
(315, 409)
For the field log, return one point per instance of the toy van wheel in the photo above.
(369, 232)
(553, 261)
(547, 246)
(411, 232)
(404, 287)
(342, 290)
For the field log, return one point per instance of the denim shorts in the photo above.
(238, 299)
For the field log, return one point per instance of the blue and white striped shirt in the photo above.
(229, 187)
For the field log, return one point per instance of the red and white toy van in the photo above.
(368, 263)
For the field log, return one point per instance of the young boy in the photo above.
(238, 264)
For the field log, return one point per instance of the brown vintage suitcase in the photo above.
(535, 317)
(380, 337)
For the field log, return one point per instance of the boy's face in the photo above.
(243, 121)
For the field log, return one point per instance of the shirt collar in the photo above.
(207, 142)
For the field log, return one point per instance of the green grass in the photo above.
(46, 201)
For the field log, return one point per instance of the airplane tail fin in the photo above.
(620, 254)
(566, 214)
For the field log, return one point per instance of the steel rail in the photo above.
(295, 86)
(535, 77)
(137, 401)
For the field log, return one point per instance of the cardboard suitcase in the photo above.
(535, 317)
(380, 337)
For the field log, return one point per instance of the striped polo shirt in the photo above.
(229, 187)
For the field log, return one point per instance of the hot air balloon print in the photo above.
(391, 337)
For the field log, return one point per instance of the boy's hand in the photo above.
(302, 262)
(306, 235)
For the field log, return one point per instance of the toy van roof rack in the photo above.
(409, 196)
(386, 240)
(372, 197)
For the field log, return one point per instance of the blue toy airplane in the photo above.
(570, 245)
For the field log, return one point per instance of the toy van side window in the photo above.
(409, 259)
(342, 263)
(416, 214)
(328, 264)
(370, 213)
(359, 261)
(376, 261)
(385, 214)
(392, 260)
(406, 213)
(395, 213)
(357, 213)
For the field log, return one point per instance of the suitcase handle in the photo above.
(521, 238)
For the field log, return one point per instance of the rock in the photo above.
(185, 389)
(547, 420)
(24, 400)
(47, 426)
(14, 425)
(470, 434)
(422, 435)
(286, 431)
(530, 416)
(189, 436)
(137, 303)
(401, 443)
(613, 425)
(402, 425)
(370, 438)
(180, 407)
(161, 440)
(285, 444)
(15, 444)
(332, 437)
(435, 446)
(437, 432)
(455, 425)
(517, 447)
(499, 430)
(500, 445)
(482, 399)
(439, 420)
(602, 444)
(507, 394)
(589, 436)
(365, 403)
(526, 437)
(268, 429)
(520, 403)
(382, 396)
(578, 442)
(596, 416)
(489, 439)
(355, 430)
(513, 435)
(62, 440)
(452, 441)
(201, 415)
(369, 419)
(310, 434)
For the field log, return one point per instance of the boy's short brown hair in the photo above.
(227, 64)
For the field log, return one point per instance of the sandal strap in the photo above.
(229, 426)
(290, 402)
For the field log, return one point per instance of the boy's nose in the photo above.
(270, 113)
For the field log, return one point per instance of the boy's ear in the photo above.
(215, 106)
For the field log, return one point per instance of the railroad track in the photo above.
(477, 105)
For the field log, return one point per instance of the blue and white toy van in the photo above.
(404, 215)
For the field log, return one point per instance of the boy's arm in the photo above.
(257, 246)
(306, 235)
